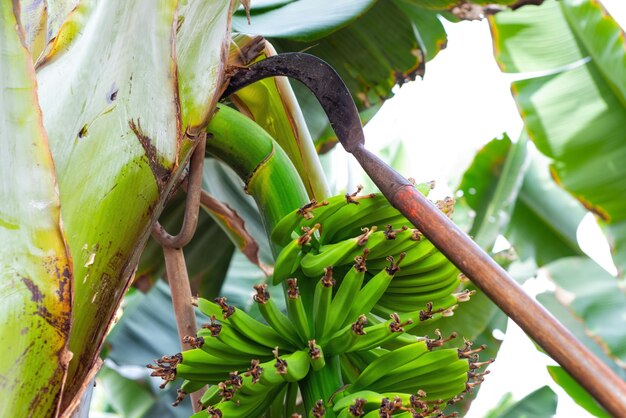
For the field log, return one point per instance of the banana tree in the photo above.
(110, 144)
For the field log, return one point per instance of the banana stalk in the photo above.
(268, 174)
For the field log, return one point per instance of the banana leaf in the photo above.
(36, 273)
(538, 404)
(119, 140)
(41, 22)
(357, 47)
(582, 50)
(596, 297)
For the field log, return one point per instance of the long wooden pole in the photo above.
(588, 370)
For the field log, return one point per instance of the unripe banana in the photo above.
(437, 360)
(387, 363)
(298, 365)
(434, 260)
(211, 396)
(416, 252)
(274, 317)
(374, 289)
(322, 301)
(432, 277)
(344, 297)
(355, 337)
(296, 311)
(314, 263)
(316, 356)
(353, 217)
(251, 328)
(230, 337)
(313, 213)
(289, 259)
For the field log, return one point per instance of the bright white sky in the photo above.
(463, 102)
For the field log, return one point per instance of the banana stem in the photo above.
(321, 385)
(182, 301)
(267, 172)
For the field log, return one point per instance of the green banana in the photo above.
(374, 289)
(292, 222)
(396, 241)
(355, 337)
(314, 263)
(251, 328)
(211, 396)
(445, 282)
(416, 252)
(298, 365)
(274, 317)
(199, 358)
(202, 375)
(351, 217)
(437, 360)
(227, 335)
(290, 257)
(316, 356)
(387, 363)
(434, 260)
(376, 335)
(312, 213)
(213, 346)
(340, 305)
(187, 387)
(322, 301)
(435, 308)
(296, 311)
(208, 308)
(414, 300)
(419, 281)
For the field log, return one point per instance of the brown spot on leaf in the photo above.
(83, 131)
(160, 172)
(597, 210)
(36, 295)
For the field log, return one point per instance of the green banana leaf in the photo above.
(128, 397)
(574, 324)
(583, 49)
(36, 274)
(538, 404)
(361, 55)
(596, 297)
(544, 229)
(576, 392)
(119, 141)
(303, 20)
(200, 59)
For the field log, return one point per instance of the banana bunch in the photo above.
(343, 227)
(411, 381)
(357, 280)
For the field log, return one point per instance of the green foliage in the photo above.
(539, 404)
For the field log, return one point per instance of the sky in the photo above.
(463, 102)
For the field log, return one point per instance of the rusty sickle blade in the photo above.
(608, 389)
